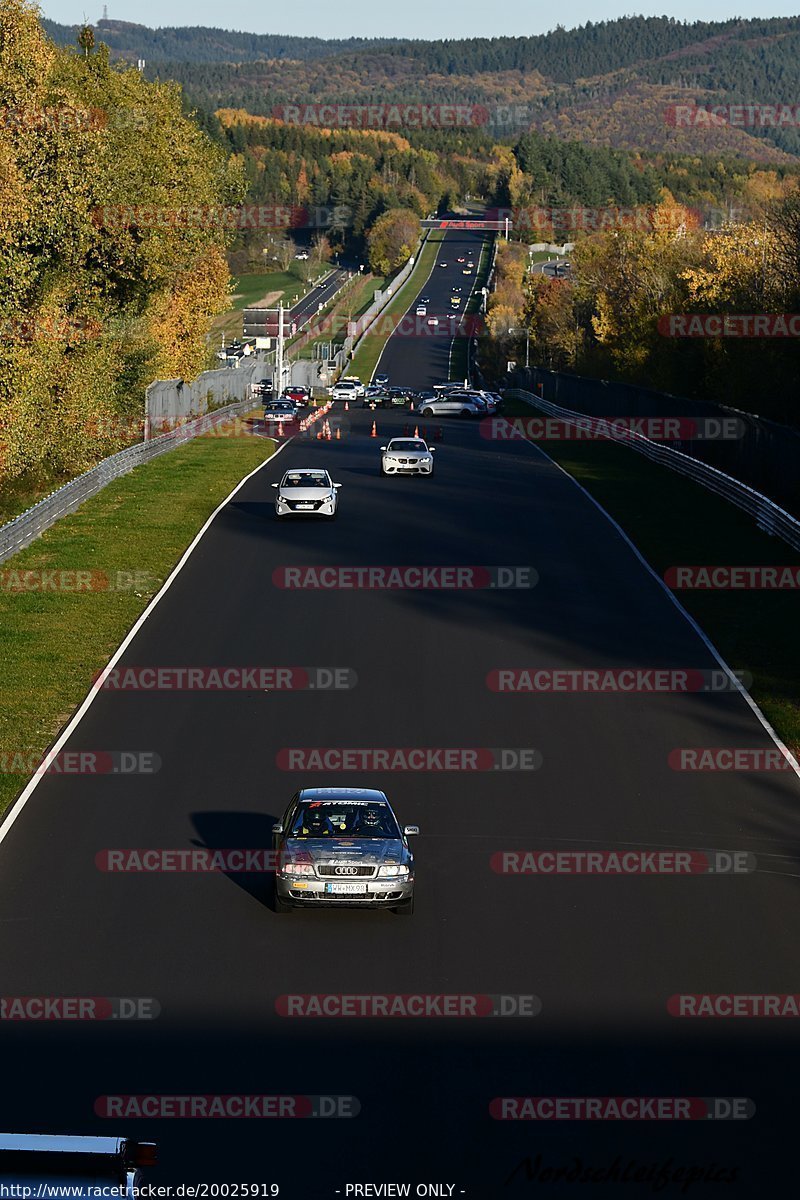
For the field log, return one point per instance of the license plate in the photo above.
(305, 506)
(346, 889)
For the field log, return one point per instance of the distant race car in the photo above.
(407, 456)
(340, 847)
(453, 404)
(280, 410)
(299, 395)
(306, 491)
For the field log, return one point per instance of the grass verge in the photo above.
(130, 535)
(676, 522)
(371, 346)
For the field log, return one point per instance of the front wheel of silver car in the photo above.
(406, 909)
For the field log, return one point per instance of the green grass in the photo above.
(370, 348)
(676, 522)
(247, 290)
(54, 641)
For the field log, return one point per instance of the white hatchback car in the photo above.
(407, 456)
(307, 491)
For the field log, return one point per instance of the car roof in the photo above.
(342, 793)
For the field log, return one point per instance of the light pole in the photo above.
(527, 333)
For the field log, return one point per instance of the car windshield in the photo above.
(305, 479)
(407, 444)
(344, 818)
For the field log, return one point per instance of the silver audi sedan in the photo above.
(407, 456)
(306, 492)
(342, 847)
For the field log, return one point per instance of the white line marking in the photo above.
(684, 613)
(14, 812)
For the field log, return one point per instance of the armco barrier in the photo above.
(29, 525)
(360, 328)
(768, 515)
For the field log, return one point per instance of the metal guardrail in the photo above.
(769, 516)
(361, 326)
(29, 525)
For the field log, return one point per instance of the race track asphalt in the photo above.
(602, 954)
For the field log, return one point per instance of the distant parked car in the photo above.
(344, 390)
(453, 404)
(381, 379)
(360, 388)
(262, 387)
(298, 395)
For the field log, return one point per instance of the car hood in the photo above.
(406, 453)
(305, 493)
(348, 851)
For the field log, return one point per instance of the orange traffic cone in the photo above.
(339, 432)
(346, 406)
(416, 431)
(280, 428)
(319, 435)
(374, 430)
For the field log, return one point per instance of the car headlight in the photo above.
(394, 871)
(295, 868)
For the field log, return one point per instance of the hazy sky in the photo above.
(411, 18)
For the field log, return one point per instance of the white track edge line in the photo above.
(784, 749)
(7, 822)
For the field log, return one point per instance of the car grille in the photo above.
(302, 505)
(331, 871)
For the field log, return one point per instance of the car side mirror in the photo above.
(337, 485)
(277, 827)
(431, 449)
(383, 447)
(274, 485)
(410, 830)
